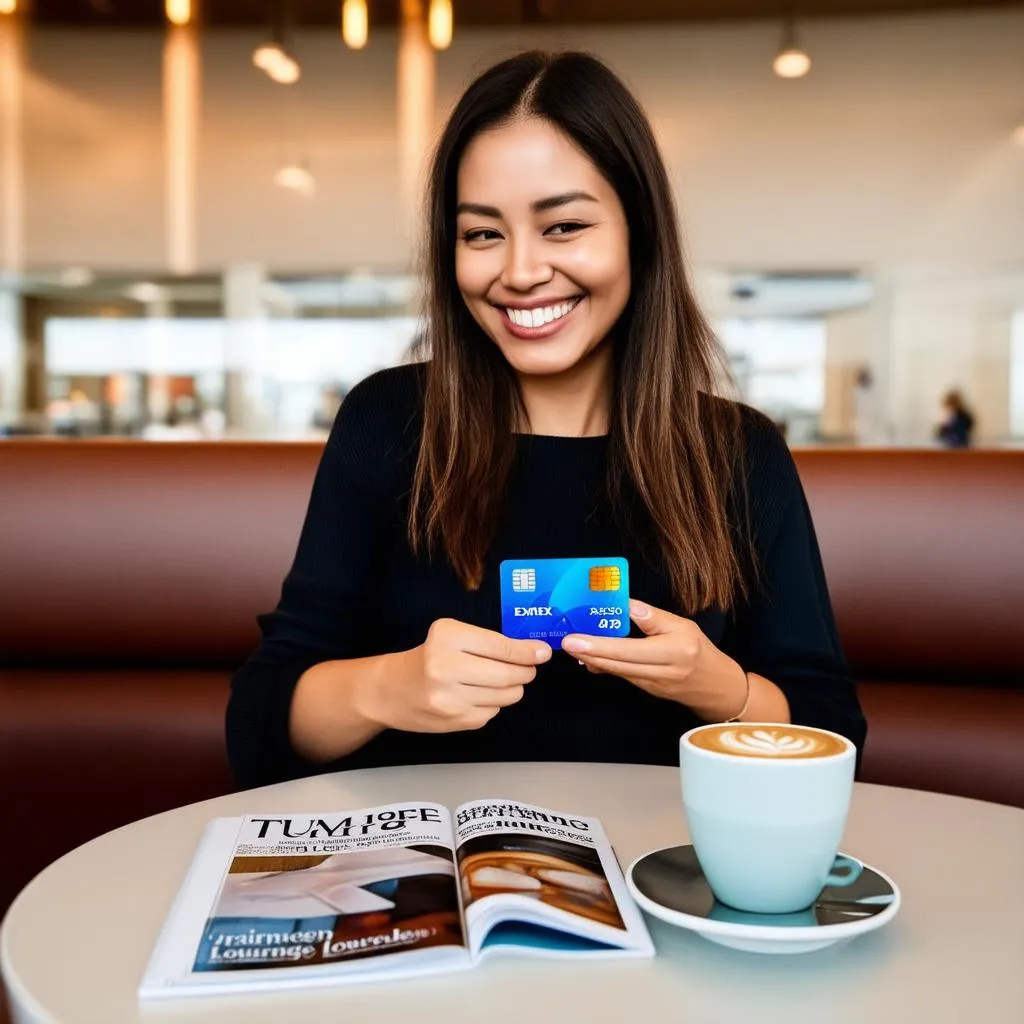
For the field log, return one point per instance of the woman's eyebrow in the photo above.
(550, 203)
(479, 210)
(560, 200)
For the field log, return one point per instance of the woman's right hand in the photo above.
(459, 678)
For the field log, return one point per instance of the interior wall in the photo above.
(896, 149)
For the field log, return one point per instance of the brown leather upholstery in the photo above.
(924, 553)
(144, 553)
(84, 752)
(131, 574)
(942, 738)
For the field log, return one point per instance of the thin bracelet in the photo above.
(746, 703)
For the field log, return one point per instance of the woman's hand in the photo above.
(459, 678)
(674, 660)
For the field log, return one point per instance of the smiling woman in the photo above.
(568, 410)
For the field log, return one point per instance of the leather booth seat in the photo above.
(131, 574)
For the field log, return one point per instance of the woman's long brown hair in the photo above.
(672, 445)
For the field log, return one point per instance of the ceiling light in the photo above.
(274, 56)
(281, 67)
(8, 6)
(286, 71)
(179, 12)
(296, 179)
(791, 64)
(266, 55)
(355, 23)
(440, 24)
(791, 61)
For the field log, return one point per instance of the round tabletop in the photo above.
(74, 944)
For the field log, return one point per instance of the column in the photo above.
(247, 354)
(12, 359)
(12, 156)
(158, 381)
(1017, 374)
(989, 387)
(12, 217)
(857, 370)
(416, 88)
(182, 86)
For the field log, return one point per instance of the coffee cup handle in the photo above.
(853, 870)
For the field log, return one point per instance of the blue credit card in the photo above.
(548, 598)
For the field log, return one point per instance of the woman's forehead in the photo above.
(526, 161)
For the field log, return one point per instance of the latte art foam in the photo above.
(768, 744)
(773, 743)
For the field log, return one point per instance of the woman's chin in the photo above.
(542, 359)
(541, 367)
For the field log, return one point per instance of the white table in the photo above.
(74, 944)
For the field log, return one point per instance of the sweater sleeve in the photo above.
(786, 631)
(321, 607)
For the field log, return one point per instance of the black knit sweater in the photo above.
(355, 589)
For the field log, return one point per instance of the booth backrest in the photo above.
(924, 555)
(139, 553)
(144, 553)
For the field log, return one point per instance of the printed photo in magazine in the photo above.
(525, 888)
(351, 905)
(278, 901)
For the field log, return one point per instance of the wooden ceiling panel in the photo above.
(100, 13)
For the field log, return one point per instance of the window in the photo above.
(779, 367)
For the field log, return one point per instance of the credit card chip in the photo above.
(605, 577)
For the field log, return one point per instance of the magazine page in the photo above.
(543, 882)
(276, 900)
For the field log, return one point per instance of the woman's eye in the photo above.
(480, 235)
(565, 227)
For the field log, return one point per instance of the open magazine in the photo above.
(279, 900)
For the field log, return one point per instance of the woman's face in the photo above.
(542, 247)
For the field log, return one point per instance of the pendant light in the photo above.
(439, 24)
(273, 57)
(791, 61)
(355, 23)
(179, 12)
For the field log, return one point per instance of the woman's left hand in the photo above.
(674, 660)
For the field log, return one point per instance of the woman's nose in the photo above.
(525, 267)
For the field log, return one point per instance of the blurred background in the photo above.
(209, 211)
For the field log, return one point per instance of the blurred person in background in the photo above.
(957, 424)
(865, 413)
(326, 412)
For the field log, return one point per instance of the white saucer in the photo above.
(670, 885)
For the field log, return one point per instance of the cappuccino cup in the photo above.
(766, 805)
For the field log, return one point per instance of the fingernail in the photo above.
(639, 610)
(543, 654)
(575, 645)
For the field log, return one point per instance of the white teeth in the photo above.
(539, 317)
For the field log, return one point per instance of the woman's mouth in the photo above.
(538, 321)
